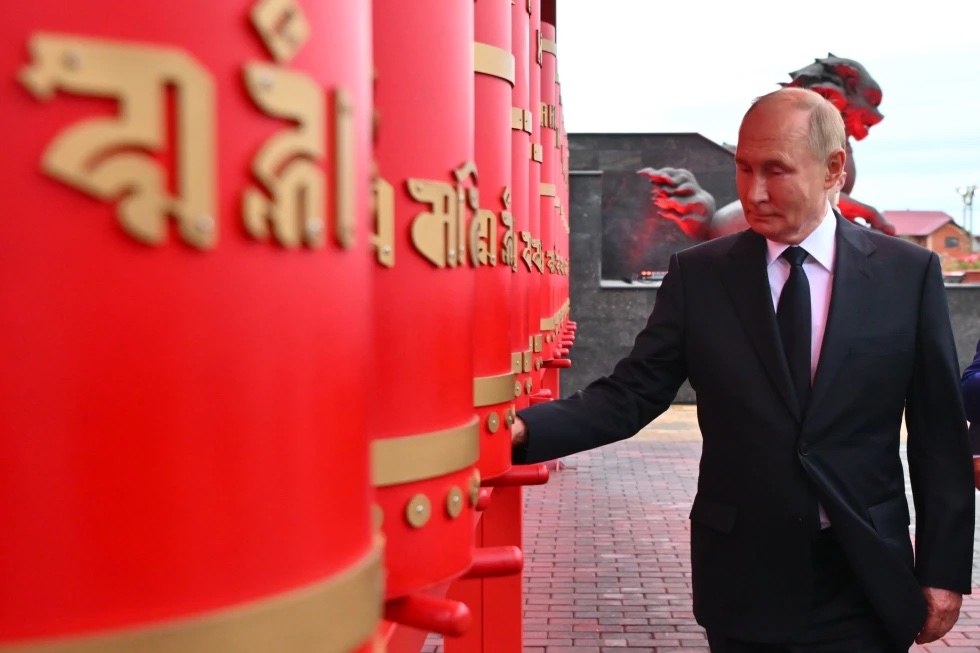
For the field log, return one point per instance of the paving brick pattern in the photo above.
(607, 567)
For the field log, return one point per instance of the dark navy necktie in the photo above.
(793, 316)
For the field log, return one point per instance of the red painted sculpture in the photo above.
(849, 86)
(677, 197)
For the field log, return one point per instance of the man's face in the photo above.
(781, 184)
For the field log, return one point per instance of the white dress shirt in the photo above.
(821, 246)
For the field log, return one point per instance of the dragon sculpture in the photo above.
(850, 88)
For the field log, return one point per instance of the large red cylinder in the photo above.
(522, 342)
(547, 189)
(562, 229)
(531, 247)
(425, 428)
(186, 309)
(493, 226)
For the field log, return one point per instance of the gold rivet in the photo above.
(379, 516)
(475, 488)
(454, 502)
(529, 386)
(511, 416)
(418, 511)
(493, 423)
(517, 389)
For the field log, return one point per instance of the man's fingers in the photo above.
(937, 625)
(929, 632)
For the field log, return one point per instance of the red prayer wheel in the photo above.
(548, 187)
(183, 459)
(522, 338)
(531, 247)
(426, 433)
(492, 236)
(562, 228)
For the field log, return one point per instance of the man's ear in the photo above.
(835, 168)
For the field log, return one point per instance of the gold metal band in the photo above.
(548, 323)
(520, 119)
(428, 455)
(549, 46)
(336, 615)
(547, 190)
(537, 153)
(516, 362)
(493, 390)
(491, 60)
(538, 343)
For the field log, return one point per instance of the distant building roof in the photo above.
(917, 223)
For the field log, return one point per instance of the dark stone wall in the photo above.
(610, 317)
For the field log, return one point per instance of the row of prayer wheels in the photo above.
(277, 276)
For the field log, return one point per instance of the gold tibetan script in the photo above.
(282, 26)
(527, 253)
(483, 238)
(538, 257)
(109, 158)
(508, 255)
(289, 163)
(440, 234)
(383, 207)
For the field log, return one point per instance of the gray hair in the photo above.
(826, 130)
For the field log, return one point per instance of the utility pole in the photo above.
(966, 192)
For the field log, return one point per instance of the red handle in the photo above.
(496, 561)
(430, 613)
(483, 502)
(561, 351)
(520, 475)
(558, 363)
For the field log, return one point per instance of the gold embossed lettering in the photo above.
(289, 164)
(483, 238)
(110, 158)
(440, 233)
(527, 253)
(508, 253)
(383, 205)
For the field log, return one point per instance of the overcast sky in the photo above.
(695, 65)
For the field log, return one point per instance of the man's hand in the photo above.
(942, 611)
(518, 432)
(976, 472)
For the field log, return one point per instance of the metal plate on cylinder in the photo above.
(418, 511)
(454, 502)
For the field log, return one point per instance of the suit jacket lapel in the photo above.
(747, 282)
(851, 291)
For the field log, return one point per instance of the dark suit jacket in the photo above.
(888, 348)
(970, 385)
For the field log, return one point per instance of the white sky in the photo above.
(695, 65)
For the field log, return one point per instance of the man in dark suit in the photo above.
(805, 338)
(970, 385)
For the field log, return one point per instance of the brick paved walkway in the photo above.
(607, 565)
